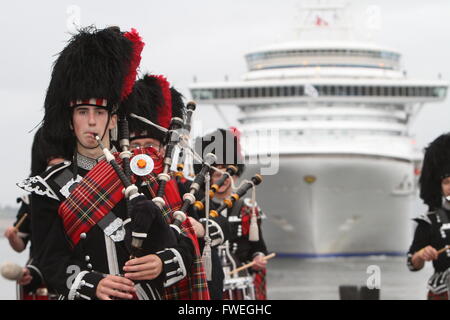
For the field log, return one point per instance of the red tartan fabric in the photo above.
(93, 198)
(437, 296)
(259, 281)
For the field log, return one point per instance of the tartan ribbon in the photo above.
(92, 199)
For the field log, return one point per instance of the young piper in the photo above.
(151, 106)
(84, 235)
(432, 234)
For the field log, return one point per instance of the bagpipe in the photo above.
(238, 194)
(140, 164)
(229, 172)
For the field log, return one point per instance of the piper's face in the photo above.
(225, 190)
(445, 186)
(147, 143)
(89, 121)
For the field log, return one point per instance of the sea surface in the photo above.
(306, 279)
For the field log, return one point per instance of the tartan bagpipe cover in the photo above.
(98, 193)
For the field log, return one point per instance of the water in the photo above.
(304, 279)
(316, 279)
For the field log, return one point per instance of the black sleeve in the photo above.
(257, 246)
(53, 255)
(61, 269)
(25, 227)
(44, 211)
(422, 238)
(177, 260)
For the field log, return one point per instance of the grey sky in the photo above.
(202, 38)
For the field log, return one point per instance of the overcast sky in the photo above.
(205, 39)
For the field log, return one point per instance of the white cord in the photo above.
(148, 122)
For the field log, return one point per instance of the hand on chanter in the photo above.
(115, 287)
(147, 267)
(198, 227)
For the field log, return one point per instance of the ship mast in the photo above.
(325, 19)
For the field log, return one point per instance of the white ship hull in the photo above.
(357, 205)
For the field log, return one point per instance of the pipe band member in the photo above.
(233, 225)
(80, 220)
(151, 107)
(433, 228)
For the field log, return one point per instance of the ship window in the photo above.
(263, 91)
(347, 91)
(439, 92)
(422, 91)
(277, 91)
(365, 91)
(301, 91)
(332, 90)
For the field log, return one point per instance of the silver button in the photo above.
(89, 266)
(87, 258)
(83, 235)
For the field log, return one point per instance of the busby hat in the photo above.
(435, 168)
(225, 145)
(97, 67)
(153, 99)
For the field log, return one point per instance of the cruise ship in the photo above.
(340, 111)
